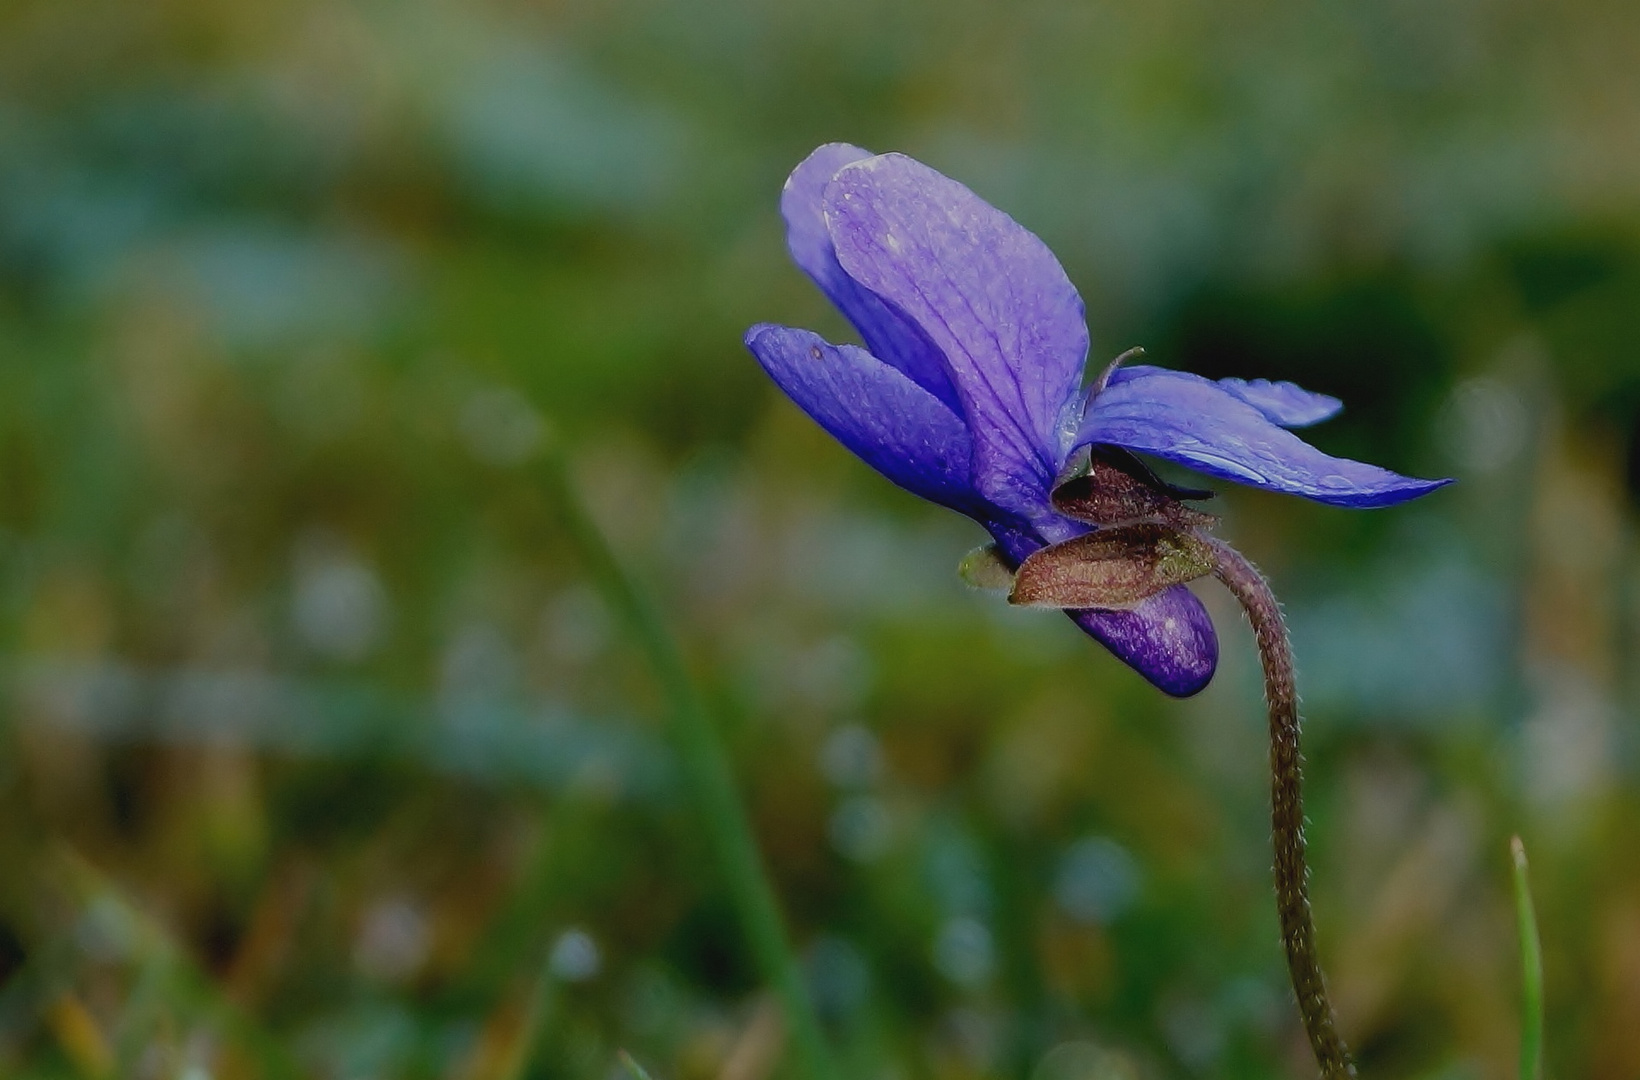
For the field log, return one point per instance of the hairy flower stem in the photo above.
(706, 773)
(1286, 806)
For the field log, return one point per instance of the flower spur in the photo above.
(968, 392)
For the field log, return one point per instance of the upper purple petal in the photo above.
(1283, 403)
(990, 296)
(1169, 638)
(890, 422)
(1200, 424)
(888, 335)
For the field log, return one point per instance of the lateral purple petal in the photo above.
(1283, 403)
(875, 410)
(888, 335)
(988, 294)
(1196, 423)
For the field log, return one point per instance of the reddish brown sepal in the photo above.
(1114, 491)
(1111, 568)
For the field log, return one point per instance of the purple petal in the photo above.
(1283, 403)
(1192, 421)
(1168, 638)
(990, 296)
(888, 335)
(890, 422)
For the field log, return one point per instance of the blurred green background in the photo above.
(320, 755)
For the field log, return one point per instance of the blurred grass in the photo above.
(1531, 968)
(306, 677)
(712, 785)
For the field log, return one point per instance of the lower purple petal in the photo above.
(1169, 639)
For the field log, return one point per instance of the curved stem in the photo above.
(1286, 806)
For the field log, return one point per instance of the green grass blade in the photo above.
(633, 1069)
(706, 772)
(1531, 956)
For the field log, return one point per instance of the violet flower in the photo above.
(969, 390)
